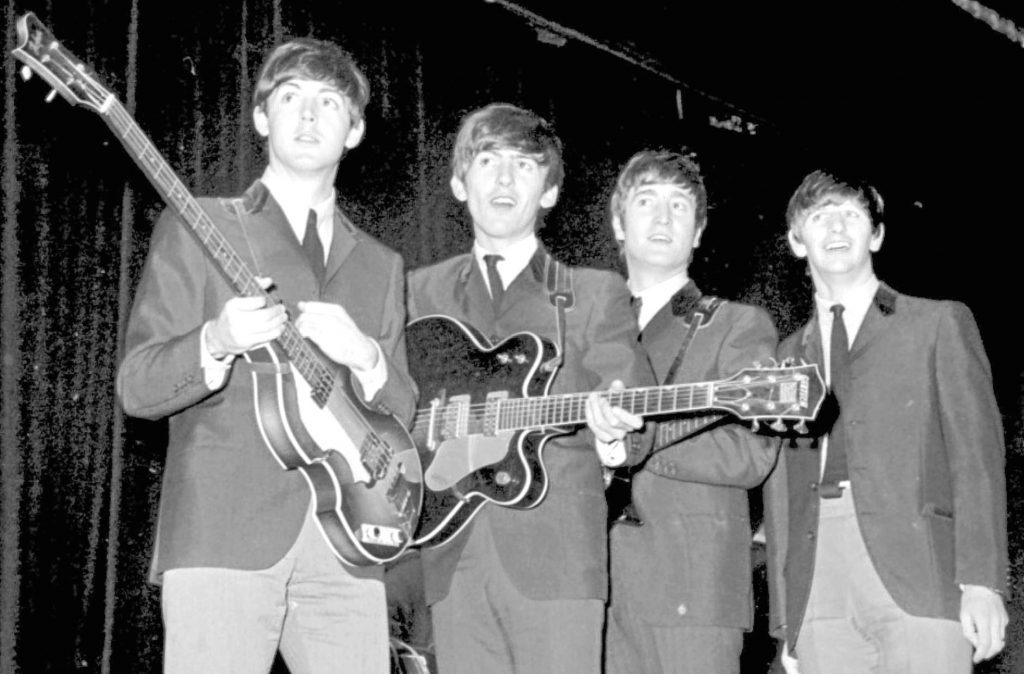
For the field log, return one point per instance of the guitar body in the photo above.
(467, 461)
(367, 499)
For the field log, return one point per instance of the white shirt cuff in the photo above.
(612, 454)
(215, 370)
(373, 380)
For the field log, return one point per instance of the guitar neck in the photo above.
(520, 414)
(234, 268)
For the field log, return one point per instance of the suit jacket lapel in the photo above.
(470, 294)
(883, 306)
(342, 244)
(663, 334)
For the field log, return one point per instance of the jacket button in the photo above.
(681, 610)
(810, 535)
(814, 486)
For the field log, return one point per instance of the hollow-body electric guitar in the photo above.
(361, 466)
(484, 415)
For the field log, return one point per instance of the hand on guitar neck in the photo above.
(245, 322)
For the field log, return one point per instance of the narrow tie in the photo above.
(314, 247)
(839, 372)
(494, 280)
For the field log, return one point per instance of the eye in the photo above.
(288, 97)
(681, 206)
(524, 164)
(330, 102)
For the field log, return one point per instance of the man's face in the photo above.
(836, 236)
(658, 228)
(308, 125)
(504, 191)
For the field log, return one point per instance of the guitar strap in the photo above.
(706, 307)
(560, 294)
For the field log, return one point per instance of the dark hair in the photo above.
(661, 166)
(318, 60)
(501, 125)
(819, 185)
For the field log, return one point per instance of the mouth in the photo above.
(503, 201)
(659, 238)
(837, 246)
(307, 138)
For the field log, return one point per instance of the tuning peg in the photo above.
(801, 427)
(778, 426)
(26, 73)
(50, 96)
(755, 425)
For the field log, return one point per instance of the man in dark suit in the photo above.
(524, 590)
(243, 566)
(681, 582)
(887, 532)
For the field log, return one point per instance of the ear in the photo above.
(458, 188)
(260, 121)
(355, 134)
(876, 239)
(620, 233)
(548, 199)
(696, 237)
(796, 244)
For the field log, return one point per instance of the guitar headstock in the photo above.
(39, 50)
(782, 392)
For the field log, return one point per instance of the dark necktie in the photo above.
(839, 372)
(494, 279)
(313, 246)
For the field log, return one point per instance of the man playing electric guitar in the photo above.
(243, 566)
(681, 582)
(523, 590)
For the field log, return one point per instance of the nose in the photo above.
(836, 222)
(309, 109)
(505, 176)
(663, 213)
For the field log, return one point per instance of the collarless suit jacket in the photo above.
(559, 548)
(225, 501)
(926, 462)
(690, 562)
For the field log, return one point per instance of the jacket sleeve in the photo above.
(973, 436)
(160, 373)
(398, 396)
(614, 352)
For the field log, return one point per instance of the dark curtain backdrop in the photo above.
(79, 482)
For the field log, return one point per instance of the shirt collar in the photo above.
(656, 296)
(515, 258)
(855, 303)
(296, 210)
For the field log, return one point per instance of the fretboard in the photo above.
(518, 414)
(300, 354)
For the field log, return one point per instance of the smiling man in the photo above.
(681, 581)
(523, 590)
(887, 531)
(242, 563)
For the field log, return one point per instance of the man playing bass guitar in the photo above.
(244, 570)
(523, 590)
